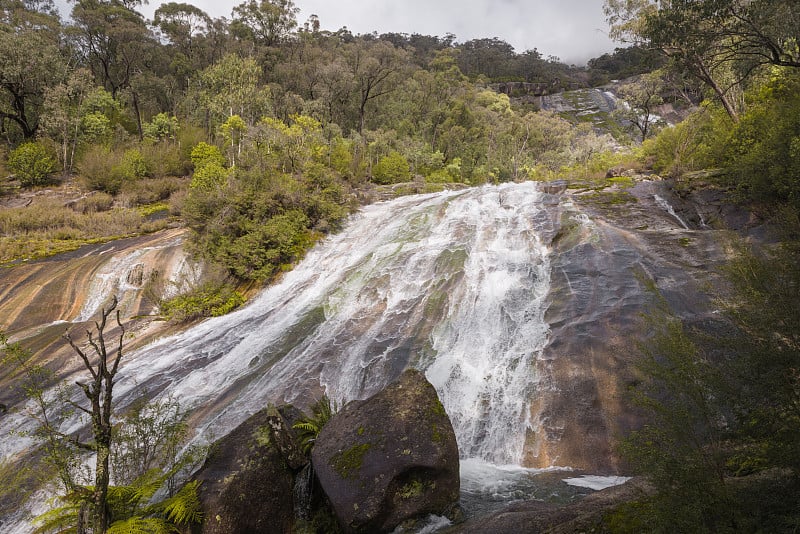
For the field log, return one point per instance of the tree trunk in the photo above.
(707, 77)
(100, 496)
(137, 112)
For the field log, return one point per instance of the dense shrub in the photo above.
(97, 168)
(93, 203)
(209, 300)
(132, 166)
(391, 169)
(139, 192)
(165, 159)
(162, 127)
(763, 156)
(206, 154)
(32, 163)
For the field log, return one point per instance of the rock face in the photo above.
(73, 286)
(532, 517)
(610, 247)
(389, 458)
(245, 485)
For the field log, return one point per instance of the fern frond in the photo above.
(184, 507)
(308, 426)
(61, 519)
(142, 525)
(147, 484)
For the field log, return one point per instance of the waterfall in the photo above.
(454, 283)
(666, 206)
(125, 273)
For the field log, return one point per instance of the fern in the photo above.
(306, 426)
(309, 427)
(184, 507)
(64, 518)
(61, 519)
(125, 501)
(142, 525)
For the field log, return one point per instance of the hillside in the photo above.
(595, 268)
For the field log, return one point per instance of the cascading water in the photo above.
(123, 275)
(666, 206)
(454, 283)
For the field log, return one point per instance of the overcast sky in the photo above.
(573, 30)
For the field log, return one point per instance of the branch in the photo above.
(119, 346)
(81, 354)
(88, 392)
(78, 406)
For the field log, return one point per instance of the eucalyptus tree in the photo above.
(266, 22)
(377, 68)
(642, 96)
(64, 111)
(188, 29)
(721, 42)
(491, 57)
(31, 60)
(116, 45)
(233, 86)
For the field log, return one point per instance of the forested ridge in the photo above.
(277, 123)
(261, 133)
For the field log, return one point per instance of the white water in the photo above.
(666, 206)
(454, 283)
(595, 482)
(114, 278)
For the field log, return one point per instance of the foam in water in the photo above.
(595, 482)
(666, 206)
(454, 283)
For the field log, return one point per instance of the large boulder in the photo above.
(246, 485)
(390, 458)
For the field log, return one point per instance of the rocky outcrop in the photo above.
(390, 458)
(533, 517)
(73, 286)
(245, 483)
(612, 244)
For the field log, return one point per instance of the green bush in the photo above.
(133, 165)
(763, 154)
(97, 168)
(209, 176)
(138, 192)
(269, 247)
(94, 203)
(440, 176)
(162, 127)
(165, 159)
(391, 169)
(205, 154)
(32, 163)
(692, 145)
(209, 300)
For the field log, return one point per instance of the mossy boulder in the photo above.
(390, 458)
(246, 484)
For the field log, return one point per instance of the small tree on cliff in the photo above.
(102, 365)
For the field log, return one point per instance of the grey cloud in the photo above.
(574, 30)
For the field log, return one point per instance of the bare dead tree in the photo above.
(102, 364)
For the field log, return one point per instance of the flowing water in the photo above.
(666, 206)
(123, 276)
(454, 283)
